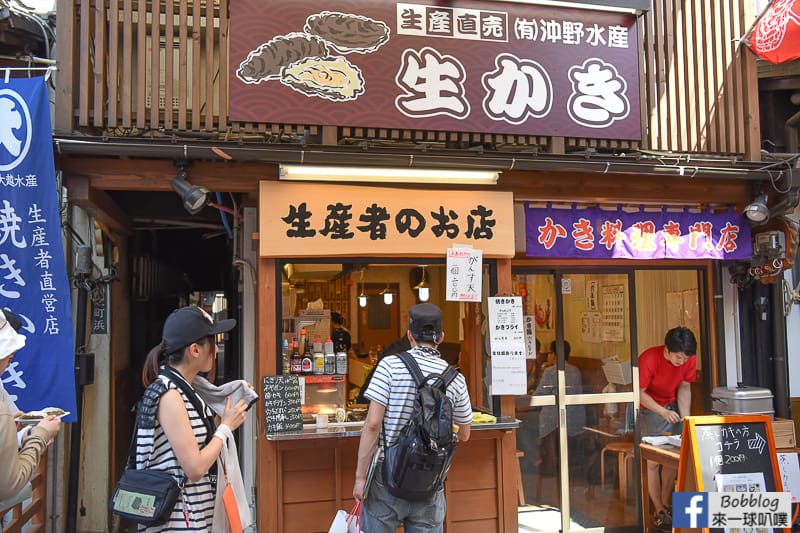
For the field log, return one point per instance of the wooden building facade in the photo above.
(142, 84)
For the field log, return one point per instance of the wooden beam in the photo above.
(617, 188)
(99, 205)
(243, 176)
(156, 174)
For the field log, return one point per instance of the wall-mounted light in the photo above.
(757, 210)
(758, 213)
(195, 197)
(362, 298)
(388, 297)
(387, 175)
(424, 291)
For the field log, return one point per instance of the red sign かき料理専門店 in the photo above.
(491, 67)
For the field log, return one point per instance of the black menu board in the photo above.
(734, 448)
(282, 404)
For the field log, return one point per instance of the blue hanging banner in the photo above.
(33, 274)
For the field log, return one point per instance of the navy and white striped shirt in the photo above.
(393, 387)
(153, 451)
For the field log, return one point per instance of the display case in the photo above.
(324, 394)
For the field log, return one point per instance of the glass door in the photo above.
(577, 461)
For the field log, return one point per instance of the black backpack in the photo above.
(416, 464)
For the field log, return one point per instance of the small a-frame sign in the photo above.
(734, 444)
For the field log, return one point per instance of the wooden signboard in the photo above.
(324, 220)
(712, 446)
(282, 404)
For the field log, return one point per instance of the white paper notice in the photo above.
(507, 341)
(790, 474)
(464, 274)
(530, 336)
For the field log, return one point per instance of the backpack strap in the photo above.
(178, 380)
(412, 366)
(447, 376)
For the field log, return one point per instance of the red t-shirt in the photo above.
(660, 378)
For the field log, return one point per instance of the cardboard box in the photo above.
(783, 430)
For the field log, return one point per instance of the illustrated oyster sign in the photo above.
(303, 61)
(466, 66)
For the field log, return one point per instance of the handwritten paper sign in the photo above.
(507, 341)
(530, 336)
(282, 398)
(790, 474)
(464, 274)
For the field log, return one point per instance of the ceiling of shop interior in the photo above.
(195, 245)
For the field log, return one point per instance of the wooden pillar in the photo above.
(507, 407)
(266, 354)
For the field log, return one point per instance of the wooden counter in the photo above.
(310, 476)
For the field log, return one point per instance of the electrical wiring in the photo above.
(222, 216)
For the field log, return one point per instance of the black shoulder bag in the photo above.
(145, 496)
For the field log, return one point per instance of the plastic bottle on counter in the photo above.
(303, 347)
(286, 364)
(296, 361)
(319, 363)
(330, 357)
(317, 345)
(341, 363)
(307, 363)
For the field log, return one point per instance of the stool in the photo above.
(520, 487)
(624, 450)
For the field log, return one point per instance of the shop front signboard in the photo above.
(621, 234)
(494, 67)
(321, 220)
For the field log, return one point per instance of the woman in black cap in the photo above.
(175, 428)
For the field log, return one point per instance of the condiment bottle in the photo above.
(286, 365)
(319, 363)
(330, 357)
(308, 362)
(297, 361)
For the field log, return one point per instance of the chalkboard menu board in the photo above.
(734, 448)
(282, 404)
(716, 447)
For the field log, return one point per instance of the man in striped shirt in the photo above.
(391, 393)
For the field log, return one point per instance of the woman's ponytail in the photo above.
(152, 363)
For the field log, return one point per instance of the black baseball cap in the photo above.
(190, 324)
(425, 322)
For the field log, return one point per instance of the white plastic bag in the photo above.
(345, 522)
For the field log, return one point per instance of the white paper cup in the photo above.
(322, 421)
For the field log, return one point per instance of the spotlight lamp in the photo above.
(757, 210)
(194, 197)
(424, 291)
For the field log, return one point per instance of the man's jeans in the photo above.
(382, 512)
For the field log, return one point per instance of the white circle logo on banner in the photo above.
(16, 129)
